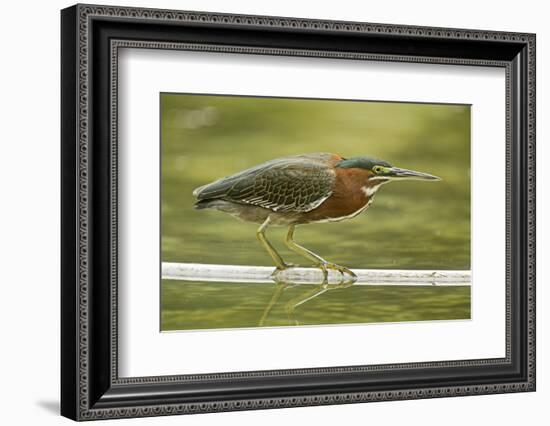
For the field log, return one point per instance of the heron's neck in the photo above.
(372, 186)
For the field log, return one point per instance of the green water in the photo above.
(201, 305)
(410, 225)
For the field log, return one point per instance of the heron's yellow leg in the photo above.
(316, 259)
(260, 233)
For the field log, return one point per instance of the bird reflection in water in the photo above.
(320, 287)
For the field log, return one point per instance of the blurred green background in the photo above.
(410, 225)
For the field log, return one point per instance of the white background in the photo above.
(29, 225)
(146, 352)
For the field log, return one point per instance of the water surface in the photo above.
(205, 305)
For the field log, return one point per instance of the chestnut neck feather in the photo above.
(349, 194)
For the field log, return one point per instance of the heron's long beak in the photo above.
(395, 173)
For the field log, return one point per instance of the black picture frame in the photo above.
(90, 386)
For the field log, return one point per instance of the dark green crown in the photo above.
(361, 163)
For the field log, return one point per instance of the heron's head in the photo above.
(380, 171)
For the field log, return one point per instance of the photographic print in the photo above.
(283, 212)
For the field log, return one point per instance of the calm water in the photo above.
(200, 305)
(410, 225)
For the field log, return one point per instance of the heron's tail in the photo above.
(209, 204)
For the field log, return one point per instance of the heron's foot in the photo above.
(344, 272)
(283, 267)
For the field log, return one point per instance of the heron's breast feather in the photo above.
(348, 197)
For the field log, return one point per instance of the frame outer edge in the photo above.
(531, 200)
(69, 190)
(83, 82)
(80, 207)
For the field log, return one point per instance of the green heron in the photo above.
(300, 189)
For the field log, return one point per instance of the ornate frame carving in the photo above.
(85, 396)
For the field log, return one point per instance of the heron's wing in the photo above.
(291, 184)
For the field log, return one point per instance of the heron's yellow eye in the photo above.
(377, 169)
